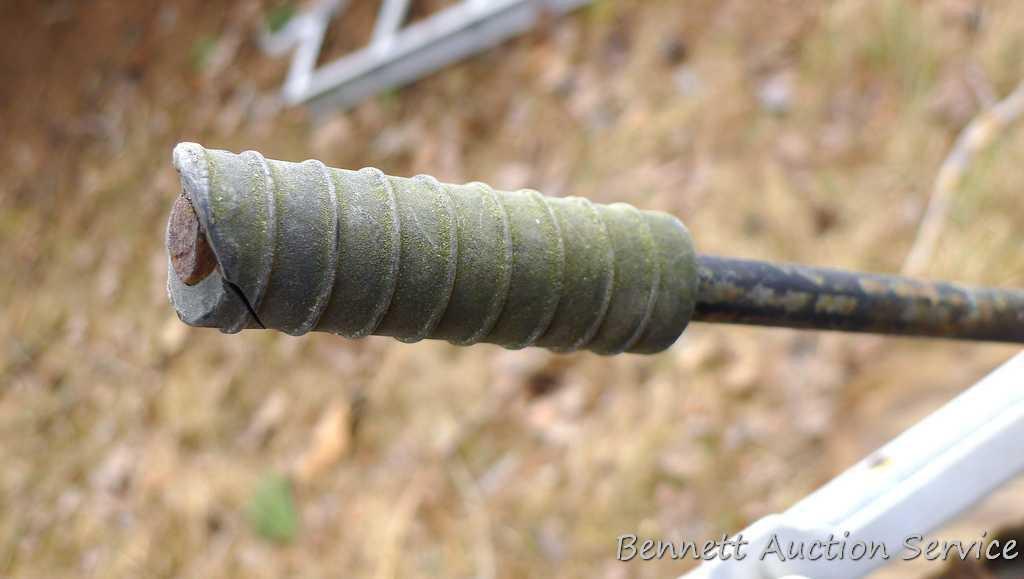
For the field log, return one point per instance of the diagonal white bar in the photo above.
(398, 55)
(912, 485)
(392, 13)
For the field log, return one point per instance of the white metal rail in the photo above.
(397, 55)
(923, 478)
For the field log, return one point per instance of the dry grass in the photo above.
(133, 446)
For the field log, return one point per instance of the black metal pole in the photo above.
(739, 291)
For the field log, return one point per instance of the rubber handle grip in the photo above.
(301, 247)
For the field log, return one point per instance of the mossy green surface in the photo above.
(359, 252)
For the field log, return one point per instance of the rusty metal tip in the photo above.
(191, 256)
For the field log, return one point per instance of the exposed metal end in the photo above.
(191, 256)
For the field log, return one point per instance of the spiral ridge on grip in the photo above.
(304, 247)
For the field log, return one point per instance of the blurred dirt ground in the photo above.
(134, 446)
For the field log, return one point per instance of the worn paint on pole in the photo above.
(738, 291)
(303, 247)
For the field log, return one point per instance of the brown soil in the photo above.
(135, 446)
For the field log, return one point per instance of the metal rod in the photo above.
(299, 247)
(739, 291)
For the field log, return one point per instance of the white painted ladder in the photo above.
(923, 478)
(397, 55)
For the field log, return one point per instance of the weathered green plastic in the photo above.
(302, 247)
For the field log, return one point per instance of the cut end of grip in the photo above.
(197, 285)
(299, 247)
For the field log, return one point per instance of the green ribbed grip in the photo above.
(301, 247)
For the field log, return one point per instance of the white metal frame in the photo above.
(397, 55)
(923, 478)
